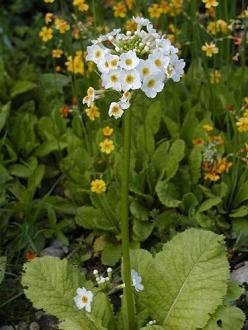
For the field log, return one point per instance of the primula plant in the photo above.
(185, 285)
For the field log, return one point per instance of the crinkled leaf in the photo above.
(92, 218)
(191, 266)
(234, 291)
(51, 284)
(167, 194)
(227, 318)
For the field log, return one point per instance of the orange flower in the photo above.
(30, 255)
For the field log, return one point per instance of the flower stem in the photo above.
(128, 293)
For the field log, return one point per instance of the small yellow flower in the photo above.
(130, 25)
(81, 5)
(218, 26)
(93, 112)
(242, 124)
(207, 128)
(246, 100)
(107, 131)
(129, 4)
(211, 176)
(57, 53)
(76, 33)
(75, 64)
(98, 186)
(49, 1)
(120, 10)
(215, 77)
(210, 3)
(210, 49)
(107, 146)
(155, 11)
(46, 34)
(49, 18)
(61, 25)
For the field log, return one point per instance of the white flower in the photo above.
(175, 69)
(164, 46)
(141, 21)
(152, 85)
(113, 61)
(158, 60)
(95, 53)
(136, 281)
(125, 100)
(130, 80)
(146, 68)
(112, 80)
(115, 110)
(83, 299)
(129, 60)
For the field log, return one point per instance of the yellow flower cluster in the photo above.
(98, 186)
(120, 9)
(171, 8)
(75, 63)
(219, 26)
(213, 170)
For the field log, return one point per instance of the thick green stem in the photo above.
(128, 292)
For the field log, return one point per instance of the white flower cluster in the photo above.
(141, 60)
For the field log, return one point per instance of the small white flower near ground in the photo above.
(83, 299)
(136, 281)
(115, 110)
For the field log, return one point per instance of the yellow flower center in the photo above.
(84, 299)
(145, 71)
(98, 54)
(158, 62)
(151, 83)
(115, 109)
(128, 61)
(114, 78)
(113, 62)
(129, 79)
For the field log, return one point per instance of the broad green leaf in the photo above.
(92, 218)
(227, 318)
(191, 266)
(172, 126)
(153, 117)
(175, 155)
(111, 254)
(242, 193)
(4, 113)
(167, 194)
(47, 147)
(139, 211)
(160, 156)
(21, 87)
(145, 139)
(209, 203)
(195, 161)
(240, 212)
(3, 261)
(51, 284)
(234, 291)
(142, 230)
